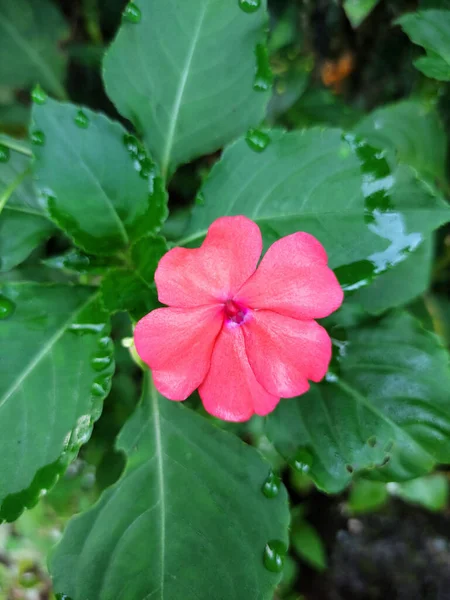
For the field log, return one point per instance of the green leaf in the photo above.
(411, 130)
(97, 181)
(431, 492)
(132, 288)
(31, 34)
(358, 10)
(23, 223)
(54, 373)
(368, 216)
(187, 519)
(384, 413)
(400, 285)
(367, 496)
(308, 545)
(430, 29)
(184, 74)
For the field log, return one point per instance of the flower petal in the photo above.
(216, 270)
(293, 279)
(177, 344)
(284, 352)
(230, 390)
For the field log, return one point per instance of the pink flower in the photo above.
(244, 336)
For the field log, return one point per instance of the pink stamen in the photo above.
(234, 312)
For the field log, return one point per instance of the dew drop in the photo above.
(274, 553)
(271, 486)
(38, 138)
(263, 76)
(385, 461)
(257, 140)
(132, 13)
(200, 199)
(131, 144)
(303, 461)
(83, 328)
(7, 307)
(101, 361)
(4, 154)
(249, 6)
(389, 446)
(105, 342)
(146, 168)
(81, 120)
(101, 386)
(38, 95)
(372, 441)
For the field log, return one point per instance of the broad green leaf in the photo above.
(368, 216)
(98, 183)
(400, 285)
(413, 131)
(384, 413)
(431, 30)
(358, 10)
(432, 491)
(56, 368)
(31, 34)
(23, 223)
(187, 519)
(132, 288)
(367, 496)
(308, 545)
(185, 74)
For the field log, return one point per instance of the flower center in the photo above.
(234, 312)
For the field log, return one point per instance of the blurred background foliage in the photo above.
(333, 63)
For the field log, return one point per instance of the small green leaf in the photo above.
(184, 75)
(368, 215)
(54, 374)
(384, 410)
(23, 223)
(431, 30)
(432, 491)
(104, 196)
(367, 496)
(308, 545)
(187, 519)
(31, 34)
(132, 288)
(358, 10)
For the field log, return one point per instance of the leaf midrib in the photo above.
(34, 56)
(175, 112)
(44, 351)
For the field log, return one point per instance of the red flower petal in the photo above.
(230, 390)
(293, 279)
(177, 344)
(284, 352)
(216, 270)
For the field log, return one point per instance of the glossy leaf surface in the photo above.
(384, 411)
(358, 10)
(23, 223)
(184, 73)
(430, 29)
(187, 519)
(98, 183)
(31, 33)
(54, 373)
(368, 216)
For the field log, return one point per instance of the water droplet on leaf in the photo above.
(101, 386)
(101, 361)
(257, 140)
(372, 441)
(82, 328)
(271, 486)
(4, 153)
(249, 6)
(82, 120)
(200, 199)
(38, 95)
(274, 554)
(7, 307)
(132, 13)
(303, 460)
(38, 138)
(263, 76)
(131, 144)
